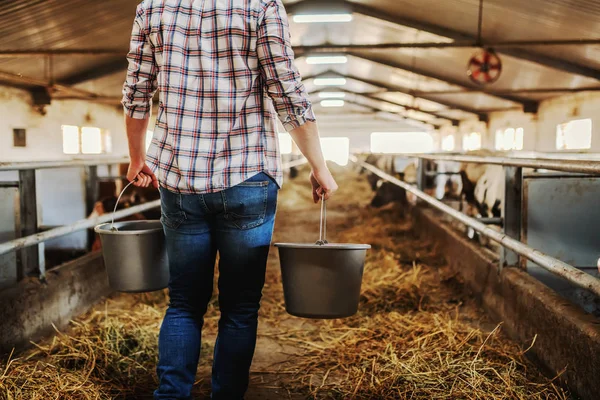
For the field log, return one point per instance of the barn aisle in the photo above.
(416, 335)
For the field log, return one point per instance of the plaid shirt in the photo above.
(224, 69)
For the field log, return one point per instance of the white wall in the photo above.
(515, 119)
(540, 129)
(467, 127)
(564, 109)
(61, 192)
(44, 135)
(358, 128)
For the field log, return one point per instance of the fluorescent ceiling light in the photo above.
(330, 81)
(326, 60)
(313, 18)
(332, 103)
(332, 95)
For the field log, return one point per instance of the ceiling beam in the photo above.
(552, 62)
(393, 45)
(55, 90)
(329, 47)
(423, 94)
(371, 96)
(549, 61)
(25, 81)
(96, 72)
(418, 93)
(529, 106)
(378, 109)
(386, 87)
(60, 52)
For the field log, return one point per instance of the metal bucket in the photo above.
(134, 254)
(322, 280)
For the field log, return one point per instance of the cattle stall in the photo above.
(417, 330)
(534, 243)
(464, 136)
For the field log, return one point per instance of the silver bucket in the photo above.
(135, 254)
(322, 280)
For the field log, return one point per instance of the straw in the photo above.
(417, 334)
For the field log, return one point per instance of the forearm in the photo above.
(308, 141)
(136, 137)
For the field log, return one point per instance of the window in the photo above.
(510, 139)
(71, 139)
(472, 141)
(19, 137)
(85, 140)
(574, 135)
(91, 140)
(401, 142)
(285, 143)
(336, 149)
(448, 143)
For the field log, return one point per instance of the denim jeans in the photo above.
(238, 224)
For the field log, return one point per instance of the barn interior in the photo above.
(464, 135)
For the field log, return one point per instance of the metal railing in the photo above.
(80, 225)
(84, 162)
(560, 268)
(575, 166)
(83, 224)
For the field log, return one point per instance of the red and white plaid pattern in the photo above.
(224, 69)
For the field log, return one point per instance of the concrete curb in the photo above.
(567, 337)
(28, 310)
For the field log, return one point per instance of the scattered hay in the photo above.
(416, 335)
(107, 354)
(410, 338)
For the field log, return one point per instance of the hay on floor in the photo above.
(417, 336)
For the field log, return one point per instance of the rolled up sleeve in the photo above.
(142, 71)
(282, 79)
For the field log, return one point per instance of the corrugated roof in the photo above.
(59, 24)
(78, 24)
(508, 20)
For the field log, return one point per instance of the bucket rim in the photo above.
(100, 229)
(329, 246)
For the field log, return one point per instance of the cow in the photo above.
(481, 186)
(489, 192)
(382, 162)
(387, 193)
(403, 169)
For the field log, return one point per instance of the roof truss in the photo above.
(556, 63)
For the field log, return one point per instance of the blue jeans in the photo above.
(237, 223)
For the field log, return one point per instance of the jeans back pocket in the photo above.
(172, 215)
(246, 204)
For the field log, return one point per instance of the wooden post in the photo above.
(29, 257)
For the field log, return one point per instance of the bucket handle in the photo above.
(112, 224)
(323, 223)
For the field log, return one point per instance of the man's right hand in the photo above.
(322, 183)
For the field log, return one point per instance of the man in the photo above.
(223, 67)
